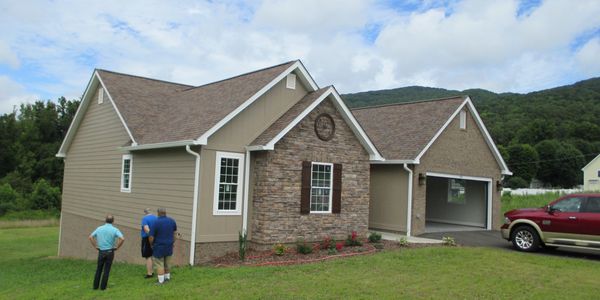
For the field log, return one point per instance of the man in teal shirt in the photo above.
(107, 239)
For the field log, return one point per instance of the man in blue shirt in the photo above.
(107, 239)
(147, 222)
(162, 238)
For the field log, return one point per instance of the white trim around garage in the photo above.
(490, 186)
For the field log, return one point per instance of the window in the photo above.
(100, 95)
(456, 191)
(593, 205)
(228, 179)
(598, 173)
(126, 170)
(320, 189)
(463, 119)
(291, 81)
(572, 204)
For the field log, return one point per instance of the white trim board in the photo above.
(92, 85)
(305, 77)
(240, 183)
(488, 139)
(346, 115)
(591, 161)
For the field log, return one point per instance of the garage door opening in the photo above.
(457, 203)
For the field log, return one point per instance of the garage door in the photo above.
(457, 201)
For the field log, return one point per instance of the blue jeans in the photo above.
(105, 259)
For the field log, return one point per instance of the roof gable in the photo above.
(591, 162)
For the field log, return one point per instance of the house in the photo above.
(591, 175)
(269, 153)
(442, 170)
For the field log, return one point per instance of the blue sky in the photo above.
(50, 48)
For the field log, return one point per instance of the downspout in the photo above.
(195, 207)
(246, 182)
(409, 210)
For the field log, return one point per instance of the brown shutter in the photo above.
(305, 192)
(337, 189)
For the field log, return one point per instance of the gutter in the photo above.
(409, 210)
(195, 207)
(134, 147)
(246, 188)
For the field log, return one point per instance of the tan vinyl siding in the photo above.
(234, 137)
(389, 197)
(92, 180)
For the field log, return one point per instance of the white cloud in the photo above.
(12, 95)
(460, 45)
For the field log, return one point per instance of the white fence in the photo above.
(539, 191)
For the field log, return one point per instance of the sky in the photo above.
(49, 49)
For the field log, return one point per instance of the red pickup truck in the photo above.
(571, 221)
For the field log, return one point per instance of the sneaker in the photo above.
(167, 279)
(149, 276)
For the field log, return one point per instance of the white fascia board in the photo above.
(158, 145)
(77, 118)
(395, 162)
(488, 139)
(203, 139)
(257, 148)
(356, 128)
(593, 160)
(454, 176)
(133, 142)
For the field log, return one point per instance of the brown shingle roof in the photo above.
(287, 118)
(401, 131)
(158, 111)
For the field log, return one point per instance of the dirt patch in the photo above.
(292, 257)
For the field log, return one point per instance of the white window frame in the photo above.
(130, 158)
(463, 119)
(100, 95)
(290, 81)
(240, 184)
(330, 188)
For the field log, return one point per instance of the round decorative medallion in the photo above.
(324, 127)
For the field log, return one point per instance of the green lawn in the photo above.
(27, 271)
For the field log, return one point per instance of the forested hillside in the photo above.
(548, 135)
(30, 174)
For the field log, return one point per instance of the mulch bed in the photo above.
(291, 257)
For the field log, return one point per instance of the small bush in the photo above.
(339, 246)
(352, 240)
(403, 242)
(328, 243)
(8, 198)
(332, 251)
(303, 247)
(448, 241)
(279, 249)
(374, 237)
(45, 196)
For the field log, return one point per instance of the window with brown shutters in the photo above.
(321, 188)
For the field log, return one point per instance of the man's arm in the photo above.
(120, 241)
(151, 240)
(146, 229)
(93, 241)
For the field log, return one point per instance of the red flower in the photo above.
(354, 235)
(339, 246)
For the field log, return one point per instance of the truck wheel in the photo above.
(525, 238)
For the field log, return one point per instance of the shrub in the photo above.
(303, 247)
(331, 251)
(516, 182)
(8, 199)
(279, 249)
(328, 243)
(403, 241)
(339, 246)
(374, 237)
(448, 241)
(45, 196)
(243, 243)
(352, 240)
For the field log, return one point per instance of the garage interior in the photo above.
(454, 204)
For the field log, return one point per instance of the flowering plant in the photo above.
(279, 249)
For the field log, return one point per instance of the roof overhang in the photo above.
(488, 138)
(86, 99)
(158, 145)
(374, 155)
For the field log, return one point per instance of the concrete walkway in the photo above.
(411, 239)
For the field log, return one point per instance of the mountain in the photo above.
(567, 116)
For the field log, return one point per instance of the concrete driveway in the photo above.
(493, 239)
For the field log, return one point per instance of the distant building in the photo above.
(591, 175)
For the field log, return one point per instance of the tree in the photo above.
(523, 161)
(560, 163)
(45, 196)
(8, 199)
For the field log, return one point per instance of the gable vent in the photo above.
(100, 95)
(291, 81)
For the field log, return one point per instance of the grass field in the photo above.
(510, 202)
(28, 271)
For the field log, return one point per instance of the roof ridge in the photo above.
(240, 75)
(411, 102)
(143, 77)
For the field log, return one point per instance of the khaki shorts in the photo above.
(161, 263)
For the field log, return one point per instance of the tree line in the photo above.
(30, 136)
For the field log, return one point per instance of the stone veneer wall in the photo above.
(277, 183)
